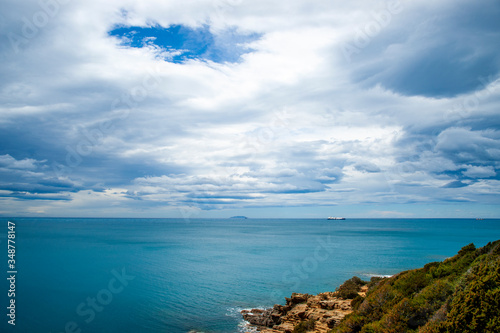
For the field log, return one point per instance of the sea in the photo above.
(75, 275)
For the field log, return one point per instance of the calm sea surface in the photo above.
(175, 275)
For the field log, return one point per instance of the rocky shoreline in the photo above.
(324, 310)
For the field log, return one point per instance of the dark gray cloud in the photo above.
(455, 184)
(434, 53)
(463, 145)
(28, 179)
(367, 167)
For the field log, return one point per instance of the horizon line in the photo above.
(255, 218)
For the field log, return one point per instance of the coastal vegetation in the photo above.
(304, 326)
(460, 294)
(350, 288)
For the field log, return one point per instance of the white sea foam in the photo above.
(234, 312)
(377, 275)
(243, 326)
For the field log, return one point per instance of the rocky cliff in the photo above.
(323, 311)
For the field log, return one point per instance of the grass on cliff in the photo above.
(304, 326)
(460, 294)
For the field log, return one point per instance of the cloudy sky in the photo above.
(264, 108)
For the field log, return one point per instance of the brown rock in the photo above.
(326, 309)
(329, 304)
(298, 298)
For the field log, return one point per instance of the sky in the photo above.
(215, 108)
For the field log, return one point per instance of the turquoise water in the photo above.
(175, 275)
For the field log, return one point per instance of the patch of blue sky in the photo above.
(189, 43)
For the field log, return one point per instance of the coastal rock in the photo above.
(326, 309)
(297, 298)
(262, 318)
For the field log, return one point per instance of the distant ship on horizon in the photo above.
(335, 218)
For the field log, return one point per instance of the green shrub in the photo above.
(356, 302)
(304, 326)
(374, 281)
(432, 326)
(496, 250)
(350, 288)
(373, 328)
(467, 249)
(437, 293)
(351, 323)
(358, 281)
(412, 282)
(476, 306)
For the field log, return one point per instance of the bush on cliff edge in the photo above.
(460, 294)
(350, 288)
